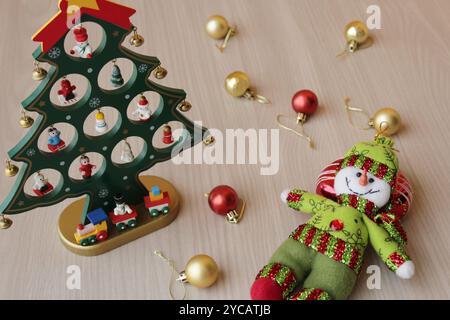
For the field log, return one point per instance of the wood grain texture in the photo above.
(284, 46)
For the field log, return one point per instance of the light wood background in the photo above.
(284, 46)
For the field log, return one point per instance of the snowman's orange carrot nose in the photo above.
(363, 178)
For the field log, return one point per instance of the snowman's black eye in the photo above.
(359, 174)
(371, 180)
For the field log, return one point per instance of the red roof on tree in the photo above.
(58, 26)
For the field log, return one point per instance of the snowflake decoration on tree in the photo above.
(54, 53)
(103, 193)
(143, 68)
(94, 103)
(31, 152)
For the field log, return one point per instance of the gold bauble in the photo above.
(201, 271)
(137, 40)
(39, 74)
(217, 27)
(356, 33)
(11, 170)
(386, 121)
(237, 84)
(185, 106)
(5, 223)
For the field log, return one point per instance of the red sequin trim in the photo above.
(396, 259)
(310, 237)
(339, 251)
(324, 243)
(314, 295)
(298, 232)
(293, 197)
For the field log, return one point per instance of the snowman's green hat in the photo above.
(377, 157)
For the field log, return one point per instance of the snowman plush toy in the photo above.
(322, 258)
(83, 49)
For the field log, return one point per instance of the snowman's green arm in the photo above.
(309, 202)
(391, 252)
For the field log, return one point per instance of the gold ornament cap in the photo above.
(201, 271)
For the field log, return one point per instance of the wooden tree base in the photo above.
(70, 218)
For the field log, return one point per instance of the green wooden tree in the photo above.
(111, 178)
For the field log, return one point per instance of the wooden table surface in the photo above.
(284, 46)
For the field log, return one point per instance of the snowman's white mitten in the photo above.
(284, 195)
(406, 270)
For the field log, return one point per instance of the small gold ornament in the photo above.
(160, 73)
(136, 39)
(357, 37)
(237, 84)
(25, 120)
(39, 73)
(386, 121)
(218, 28)
(11, 170)
(201, 271)
(185, 106)
(209, 141)
(5, 223)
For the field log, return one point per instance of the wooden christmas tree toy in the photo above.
(114, 192)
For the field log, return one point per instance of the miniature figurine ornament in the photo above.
(86, 167)
(167, 135)
(143, 109)
(41, 184)
(121, 207)
(82, 48)
(116, 76)
(100, 123)
(66, 94)
(127, 155)
(55, 143)
(305, 103)
(321, 259)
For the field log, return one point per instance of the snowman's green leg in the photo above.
(334, 278)
(296, 256)
(289, 265)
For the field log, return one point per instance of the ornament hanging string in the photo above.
(174, 275)
(351, 109)
(300, 133)
(250, 95)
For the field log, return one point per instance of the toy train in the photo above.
(122, 217)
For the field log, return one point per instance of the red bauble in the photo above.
(305, 101)
(223, 199)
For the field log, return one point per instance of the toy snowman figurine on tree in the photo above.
(143, 109)
(100, 123)
(83, 49)
(122, 207)
(323, 257)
